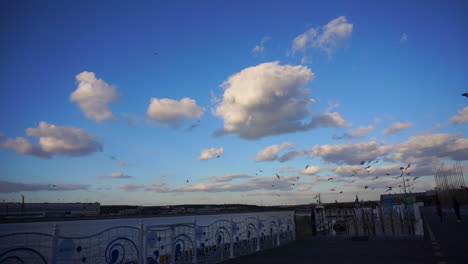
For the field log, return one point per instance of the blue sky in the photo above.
(302, 73)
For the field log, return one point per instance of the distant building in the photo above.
(399, 198)
(49, 209)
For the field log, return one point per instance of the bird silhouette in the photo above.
(341, 191)
(306, 166)
(362, 162)
(375, 178)
(187, 180)
(219, 156)
(368, 167)
(465, 94)
(365, 187)
(332, 189)
(407, 167)
(402, 168)
(278, 176)
(388, 174)
(261, 171)
(329, 178)
(369, 162)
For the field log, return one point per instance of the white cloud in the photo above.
(328, 38)
(431, 147)
(173, 112)
(461, 117)
(311, 170)
(359, 132)
(253, 184)
(300, 42)
(227, 177)
(131, 187)
(158, 187)
(12, 187)
(54, 140)
(268, 99)
(350, 153)
(210, 153)
(292, 154)
(403, 38)
(93, 96)
(270, 153)
(116, 175)
(260, 48)
(397, 127)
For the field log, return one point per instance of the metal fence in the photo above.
(378, 222)
(451, 184)
(161, 244)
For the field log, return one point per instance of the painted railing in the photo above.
(162, 244)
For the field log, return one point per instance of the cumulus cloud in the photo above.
(311, 170)
(359, 132)
(54, 140)
(173, 112)
(12, 187)
(350, 153)
(327, 38)
(93, 96)
(425, 148)
(131, 187)
(210, 153)
(397, 127)
(403, 38)
(292, 154)
(227, 177)
(461, 117)
(268, 99)
(260, 48)
(116, 175)
(270, 153)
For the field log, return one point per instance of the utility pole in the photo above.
(22, 205)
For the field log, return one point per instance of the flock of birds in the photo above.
(408, 184)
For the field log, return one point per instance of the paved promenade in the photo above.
(448, 243)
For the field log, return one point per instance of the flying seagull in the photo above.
(307, 166)
(465, 94)
(278, 176)
(329, 178)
